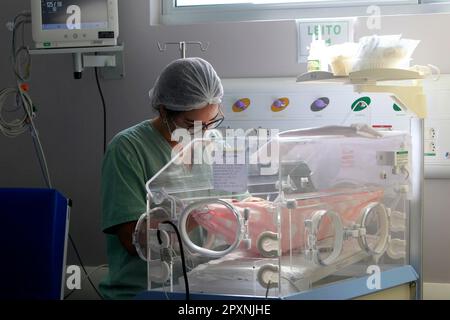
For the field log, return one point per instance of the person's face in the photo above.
(210, 117)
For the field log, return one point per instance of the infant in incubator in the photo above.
(220, 222)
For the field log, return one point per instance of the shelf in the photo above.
(117, 48)
(109, 59)
(362, 77)
(376, 75)
(321, 76)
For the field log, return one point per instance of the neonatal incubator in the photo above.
(275, 214)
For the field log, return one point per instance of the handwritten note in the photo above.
(230, 178)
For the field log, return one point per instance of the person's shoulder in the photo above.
(126, 138)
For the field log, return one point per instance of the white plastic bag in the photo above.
(384, 52)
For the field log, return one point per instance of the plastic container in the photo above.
(341, 66)
(317, 59)
(341, 58)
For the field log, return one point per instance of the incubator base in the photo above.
(236, 273)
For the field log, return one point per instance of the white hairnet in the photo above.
(187, 84)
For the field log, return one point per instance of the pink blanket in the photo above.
(221, 222)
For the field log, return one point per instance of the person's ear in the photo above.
(162, 111)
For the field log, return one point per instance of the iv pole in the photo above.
(183, 46)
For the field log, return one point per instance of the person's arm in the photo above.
(125, 234)
(123, 193)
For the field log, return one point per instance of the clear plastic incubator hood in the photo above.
(275, 215)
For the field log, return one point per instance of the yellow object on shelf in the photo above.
(411, 98)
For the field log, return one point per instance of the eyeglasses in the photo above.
(205, 126)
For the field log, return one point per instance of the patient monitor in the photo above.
(75, 23)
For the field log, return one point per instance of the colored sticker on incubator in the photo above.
(241, 105)
(397, 108)
(320, 104)
(280, 104)
(361, 104)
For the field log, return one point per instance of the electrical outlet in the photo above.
(430, 134)
(430, 148)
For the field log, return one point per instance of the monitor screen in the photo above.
(74, 14)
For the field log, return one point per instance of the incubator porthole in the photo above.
(375, 221)
(208, 237)
(142, 230)
(140, 237)
(325, 237)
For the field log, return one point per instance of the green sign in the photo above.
(397, 108)
(361, 104)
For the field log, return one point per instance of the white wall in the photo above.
(70, 111)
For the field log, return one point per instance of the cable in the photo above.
(89, 275)
(22, 72)
(16, 107)
(183, 260)
(82, 266)
(165, 292)
(19, 126)
(19, 21)
(99, 87)
(267, 289)
(291, 283)
(40, 149)
(41, 162)
(14, 128)
(69, 294)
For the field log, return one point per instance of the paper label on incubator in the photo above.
(401, 158)
(230, 178)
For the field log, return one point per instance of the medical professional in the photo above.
(187, 91)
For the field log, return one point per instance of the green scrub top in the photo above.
(133, 157)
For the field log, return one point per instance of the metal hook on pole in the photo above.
(183, 46)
